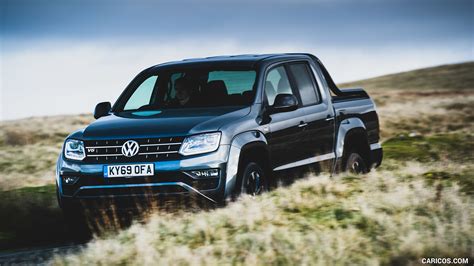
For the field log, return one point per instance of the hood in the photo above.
(168, 122)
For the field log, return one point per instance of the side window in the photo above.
(236, 82)
(142, 95)
(305, 83)
(276, 83)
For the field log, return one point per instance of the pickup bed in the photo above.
(217, 127)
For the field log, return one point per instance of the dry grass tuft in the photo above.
(385, 217)
(29, 148)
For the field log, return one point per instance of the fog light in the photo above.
(69, 180)
(205, 173)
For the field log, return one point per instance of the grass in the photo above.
(414, 206)
(30, 216)
(419, 203)
(29, 148)
(443, 147)
(446, 77)
(387, 217)
(464, 179)
(452, 115)
(49, 130)
(26, 159)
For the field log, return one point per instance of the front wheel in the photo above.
(75, 219)
(355, 164)
(253, 180)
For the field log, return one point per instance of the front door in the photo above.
(284, 129)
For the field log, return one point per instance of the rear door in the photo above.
(284, 137)
(317, 137)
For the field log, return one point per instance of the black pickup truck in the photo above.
(218, 127)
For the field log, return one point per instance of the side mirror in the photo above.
(102, 109)
(284, 103)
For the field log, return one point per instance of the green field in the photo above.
(446, 77)
(419, 203)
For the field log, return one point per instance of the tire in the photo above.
(76, 221)
(252, 180)
(58, 197)
(355, 163)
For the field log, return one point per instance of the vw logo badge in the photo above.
(130, 148)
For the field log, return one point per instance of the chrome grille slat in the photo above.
(100, 155)
(150, 149)
(160, 144)
(102, 147)
(164, 152)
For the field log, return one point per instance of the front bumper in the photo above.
(171, 178)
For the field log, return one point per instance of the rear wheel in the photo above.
(252, 180)
(355, 164)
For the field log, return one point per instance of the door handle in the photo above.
(302, 124)
(329, 118)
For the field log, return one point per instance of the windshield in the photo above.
(189, 88)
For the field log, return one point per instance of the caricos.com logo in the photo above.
(445, 260)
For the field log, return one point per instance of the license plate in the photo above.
(129, 170)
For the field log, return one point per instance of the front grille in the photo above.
(151, 149)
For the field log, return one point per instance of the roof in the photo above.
(248, 60)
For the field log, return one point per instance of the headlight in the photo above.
(74, 150)
(200, 143)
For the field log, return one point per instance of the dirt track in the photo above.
(36, 255)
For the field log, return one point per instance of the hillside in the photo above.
(419, 203)
(445, 77)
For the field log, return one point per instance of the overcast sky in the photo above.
(62, 57)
